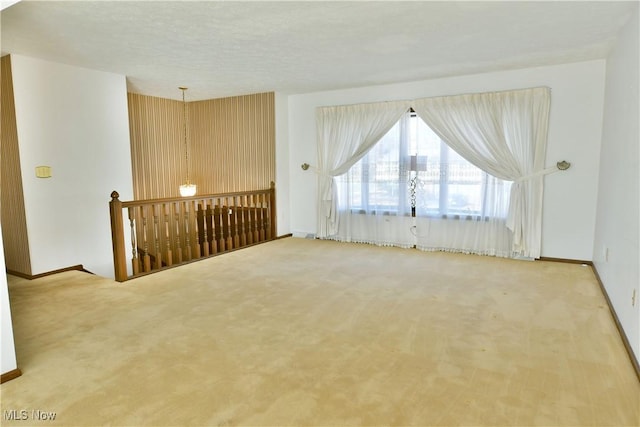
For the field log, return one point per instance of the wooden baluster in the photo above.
(224, 220)
(146, 259)
(247, 217)
(243, 210)
(272, 212)
(156, 236)
(234, 220)
(256, 222)
(249, 220)
(211, 229)
(215, 227)
(266, 209)
(196, 252)
(267, 219)
(199, 226)
(167, 233)
(224, 217)
(208, 237)
(229, 224)
(256, 218)
(135, 261)
(202, 231)
(218, 211)
(175, 208)
(187, 233)
(261, 221)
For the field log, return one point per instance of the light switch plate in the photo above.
(43, 171)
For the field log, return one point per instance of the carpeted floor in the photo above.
(308, 332)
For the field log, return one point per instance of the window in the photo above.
(410, 156)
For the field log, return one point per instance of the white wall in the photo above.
(7, 352)
(282, 164)
(618, 218)
(74, 120)
(575, 126)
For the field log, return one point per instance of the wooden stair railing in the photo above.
(170, 232)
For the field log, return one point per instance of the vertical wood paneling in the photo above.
(157, 154)
(234, 139)
(231, 144)
(14, 222)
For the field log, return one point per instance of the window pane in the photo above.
(445, 183)
(426, 143)
(464, 182)
(372, 184)
(383, 166)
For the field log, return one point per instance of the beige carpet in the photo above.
(304, 332)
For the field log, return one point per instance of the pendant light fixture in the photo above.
(187, 189)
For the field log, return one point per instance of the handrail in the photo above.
(181, 199)
(175, 231)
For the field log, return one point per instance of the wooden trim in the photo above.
(565, 260)
(625, 341)
(198, 197)
(8, 376)
(273, 214)
(78, 267)
(117, 237)
(284, 236)
(616, 320)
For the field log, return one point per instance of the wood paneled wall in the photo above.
(14, 222)
(157, 156)
(233, 140)
(231, 144)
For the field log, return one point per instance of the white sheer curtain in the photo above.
(459, 207)
(505, 134)
(373, 201)
(345, 134)
(470, 234)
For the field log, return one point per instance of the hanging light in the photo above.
(187, 189)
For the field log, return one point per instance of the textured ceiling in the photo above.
(222, 49)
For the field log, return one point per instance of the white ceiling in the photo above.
(226, 48)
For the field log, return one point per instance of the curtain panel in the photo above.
(505, 134)
(345, 134)
(502, 133)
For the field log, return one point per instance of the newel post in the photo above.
(117, 238)
(273, 211)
